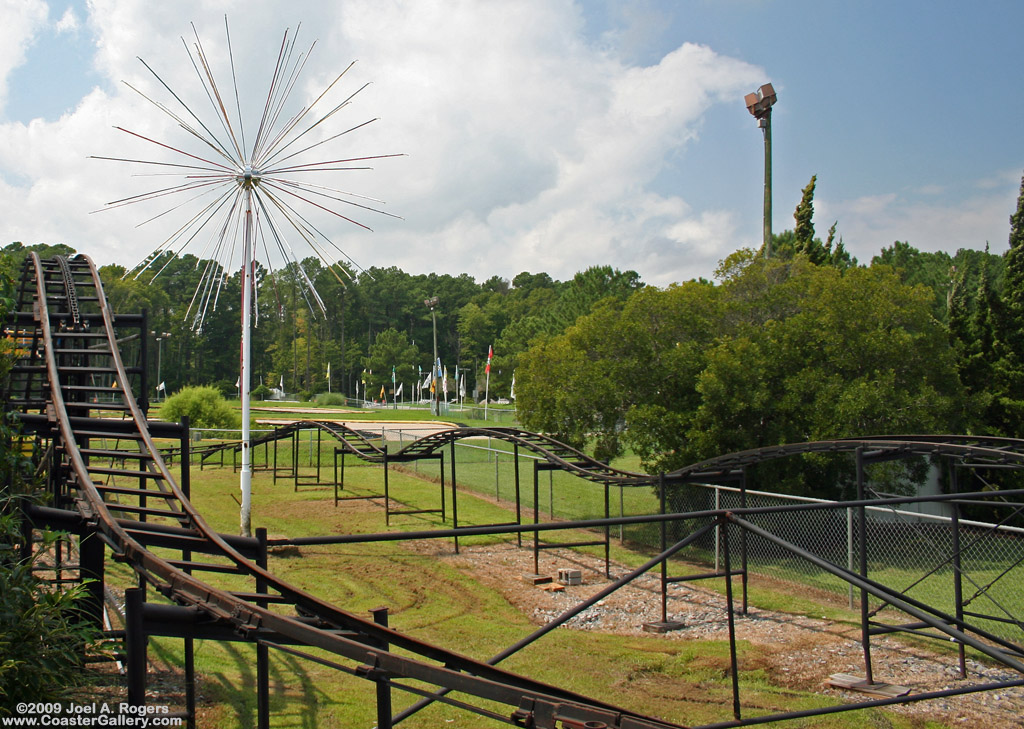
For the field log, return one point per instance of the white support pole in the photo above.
(245, 377)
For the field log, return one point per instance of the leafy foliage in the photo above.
(781, 351)
(204, 405)
(43, 633)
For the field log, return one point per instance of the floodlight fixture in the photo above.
(760, 102)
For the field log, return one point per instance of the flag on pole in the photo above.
(487, 382)
(281, 388)
(512, 392)
(328, 377)
(444, 383)
(382, 395)
(426, 382)
(162, 387)
(462, 385)
(398, 392)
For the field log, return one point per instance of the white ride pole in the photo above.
(245, 378)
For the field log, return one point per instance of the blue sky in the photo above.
(552, 135)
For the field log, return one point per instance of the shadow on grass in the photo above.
(294, 697)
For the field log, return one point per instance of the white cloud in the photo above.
(869, 224)
(22, 20)
(68, 22)
(528, 148)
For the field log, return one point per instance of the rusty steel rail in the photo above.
(66, 295)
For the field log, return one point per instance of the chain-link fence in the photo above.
(917, 554)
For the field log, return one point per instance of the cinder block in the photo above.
(569, 576)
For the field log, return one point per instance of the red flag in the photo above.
(490, 353)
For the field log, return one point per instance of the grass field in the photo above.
(681, 681)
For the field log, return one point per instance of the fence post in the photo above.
(622, 513)
(718, 530)
(849, 549)
(262, 651)
(380, 617)
(135, 645)
(519, 511)
(663, 544)
(958, 587)
(551, 493)
(862, 539)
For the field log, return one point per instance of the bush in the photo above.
(260, 392)
(205, 407)
(43, 633)
(332, 399)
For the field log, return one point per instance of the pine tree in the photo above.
(803, 215)
(1012, 324)
(1006, 414)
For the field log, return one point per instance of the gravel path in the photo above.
(808, 650)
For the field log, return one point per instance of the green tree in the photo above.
(390, 349)
(644, 352)
(801, 239)
(803, 215)
(1005, 415)
(934, 270)
(781, 351)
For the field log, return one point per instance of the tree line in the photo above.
(375, 320)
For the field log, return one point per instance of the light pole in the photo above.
(759, 103)
(159, 355)
(431, 303)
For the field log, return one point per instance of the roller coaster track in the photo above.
(983, 450)
(558, 454)
(124, 491)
